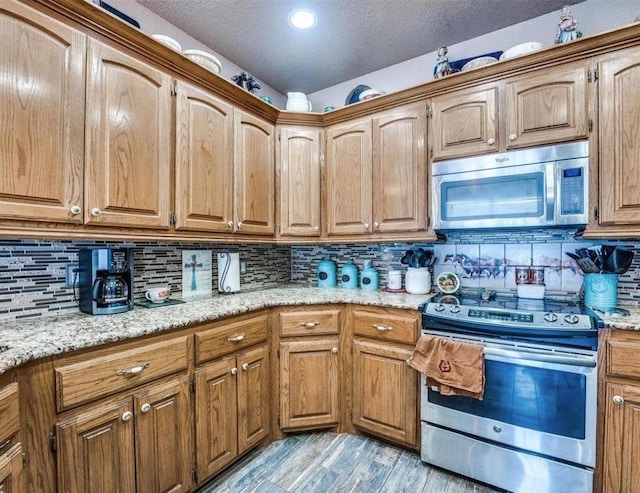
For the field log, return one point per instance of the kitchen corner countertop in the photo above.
(22, 341)
(628, 322)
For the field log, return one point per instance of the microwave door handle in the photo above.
(550, 192)
(541, 356)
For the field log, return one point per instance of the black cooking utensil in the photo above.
(619, 261)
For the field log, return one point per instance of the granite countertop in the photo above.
(28, 340)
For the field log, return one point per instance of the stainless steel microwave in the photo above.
(543, 186)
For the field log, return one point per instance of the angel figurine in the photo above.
(566, 26)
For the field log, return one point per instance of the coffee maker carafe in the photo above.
(105, 280)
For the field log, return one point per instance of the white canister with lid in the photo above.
(395, 280)
(417, 280)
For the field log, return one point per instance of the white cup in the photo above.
(157, 295)
(395, 279)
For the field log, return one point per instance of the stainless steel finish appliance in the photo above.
(544, 186)
(105, 281)
(535, 428)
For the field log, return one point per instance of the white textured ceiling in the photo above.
(352, 38)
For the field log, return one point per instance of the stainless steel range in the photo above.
(535, 428)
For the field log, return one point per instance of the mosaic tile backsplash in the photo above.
(32, 272)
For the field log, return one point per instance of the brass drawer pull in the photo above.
(133, 371)
(309, 325)
(237, 338)
(382, 328)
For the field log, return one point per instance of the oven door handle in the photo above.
(584, 361)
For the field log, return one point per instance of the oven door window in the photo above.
(515, 196)
(550, 401)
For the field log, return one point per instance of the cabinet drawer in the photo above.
(622, 358)
(225, 338)
(309, 322)
(9, 415)
(387, 325)
(97, 377)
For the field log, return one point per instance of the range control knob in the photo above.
(571, 318)
(455, 309)
(439, 307)
(550, 317)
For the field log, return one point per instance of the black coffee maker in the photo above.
(105, 280)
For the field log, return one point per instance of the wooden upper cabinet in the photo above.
(399, 170)
(547, 108)
(127, 141)
(204, 160)
(619, 113)
(42, 67)
(464, 123)
(299, 181)
(349, 178)
(254, 175)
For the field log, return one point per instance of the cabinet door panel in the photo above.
(547, 108)
(95, 450)
(399, 170)
(299, 152)
(254, 175)
(42, 155)
(621, 471)
(204, 161)
(385, 392)
(349, 179)
(253, 397)
(465, 123)
(308, 384)
(11, 471)
(619, 143)
(163, 437)
(128, 145)
(216, 416)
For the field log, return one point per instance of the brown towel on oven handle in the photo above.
(456, 368)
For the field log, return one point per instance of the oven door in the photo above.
(536, 398)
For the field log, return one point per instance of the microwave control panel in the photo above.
(572, 191)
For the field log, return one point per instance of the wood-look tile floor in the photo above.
(330, 463)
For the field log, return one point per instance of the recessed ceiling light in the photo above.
(303, 19)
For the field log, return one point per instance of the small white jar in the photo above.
(395, 279)
(417, 280)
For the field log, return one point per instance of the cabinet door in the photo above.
(299, 179)
(399, 170)
(349, 179)
(621, 469)
(547, 108)
(11, 471)
(465, 123)
(42, 93)
(164, 444)
(253, 397)
(96, 450)
(254, 175)
(619, 143)
(127, 143)
(309, 384)
(385, 392)
(204, 161)
(216, 416)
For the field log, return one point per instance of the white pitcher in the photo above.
(297, 101)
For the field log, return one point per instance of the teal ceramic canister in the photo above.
(327, 273)
(349, 275)
(369, 277)
(601, 291)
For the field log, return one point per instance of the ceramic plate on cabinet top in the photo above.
(448, 282)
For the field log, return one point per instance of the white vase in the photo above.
(417, 280)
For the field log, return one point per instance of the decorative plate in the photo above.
(448, 282)
(449, 299)
(478, 62)
(354, 95)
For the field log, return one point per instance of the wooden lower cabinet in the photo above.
(11, 457)
(232, 408)
(385, 392)
(140, 442)
(309, 380)
(11, 470)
